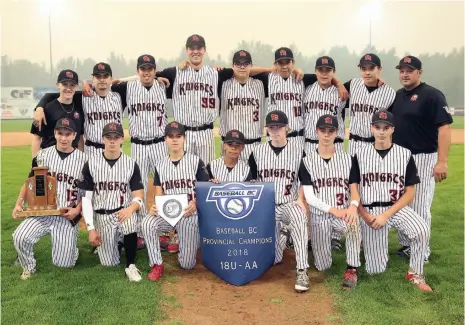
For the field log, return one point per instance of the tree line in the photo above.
(443, 71)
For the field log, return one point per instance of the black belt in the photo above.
(199, 128)
(94, 144)
(293, 134)
(104, 211)
(337, 140)
(247, 141)
(378, 205)
(147, 142)
(358, 138)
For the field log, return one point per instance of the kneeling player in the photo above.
(114, 189)
(278, 161)
(175, 174)
(327, 171)
(385, 175)
(65, 163)
(230, 168)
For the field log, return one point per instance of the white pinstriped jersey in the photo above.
(363, 104)
(66, 171)
(112, 183)
(100, 111)
(382, 179)
(330, 180)
(220, 171)
(146, 110)
(281, 169)
(286, 95)
(179, 178)
(318, 102)
(195, 96)
(242, 108)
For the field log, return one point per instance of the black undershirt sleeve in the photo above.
(34, 164)
(121, 89)
(304, 175)
(263, 77)
(209, 171)
(135, 183)
(347, 85)
(253, 166)
(156, 179)
(354, 176)
(309, 79)
(411, 174)
(201, 175)
(249, 176)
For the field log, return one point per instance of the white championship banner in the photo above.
(171, 207)
(17, 103)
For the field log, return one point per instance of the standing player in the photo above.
(65, 163)
(103, 107)
(327, 171)
(278, 161)
(242, 103)
(62, 107)
(366, 98)
(113, 193)
(230, 168)
(320, 99)
(422, 120)
(175, 174)
(385, 175)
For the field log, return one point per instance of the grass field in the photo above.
(92, 294)
(25, 125)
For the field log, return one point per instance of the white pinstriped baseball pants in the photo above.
(64, 240)
(188, 234)
(110, 230)
(201, 143)
(424, 192)
(321, 228)
(292, 217)
(375, 242)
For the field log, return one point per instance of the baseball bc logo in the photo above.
(235, 201)
(172, 208)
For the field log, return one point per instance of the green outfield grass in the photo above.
(92, 294)
(25, 125)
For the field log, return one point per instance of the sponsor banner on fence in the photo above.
(237, 229)
(17, 103)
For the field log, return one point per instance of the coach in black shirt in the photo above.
(62, 107)
(422, 121)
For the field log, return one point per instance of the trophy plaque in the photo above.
(41, 195)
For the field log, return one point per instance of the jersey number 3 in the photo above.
(208, 102)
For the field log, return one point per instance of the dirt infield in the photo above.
(13, 139)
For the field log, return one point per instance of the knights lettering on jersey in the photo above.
(280, 96)
(136, 109)
(195, 86)
(111, 186)
(237, 101)
(177, 184)
(327, 108)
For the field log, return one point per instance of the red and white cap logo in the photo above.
(324, 61)
(282, 52)
(101, 67)
(383, 115)
(146, 58)
(65, 122)
(235, 134)
(69, 74)
(195, 38)
(175, 125)
(328, 120)
(368, 57)
(274, 117)
(112, 127)
(242, 53)
(407, 60)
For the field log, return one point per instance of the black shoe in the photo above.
(120, 247)
(309, 245)
(404, 252)
(336, 245)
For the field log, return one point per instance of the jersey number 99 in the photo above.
(208, 102)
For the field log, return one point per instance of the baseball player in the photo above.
(326, 171)
(230, 168)
(103, 107)
(422, 120)
(113, 194)
(242, 104)
(286, 91)
(175, 174)
(322, 98)
(65, 163)
(63, 107)
(366, 98)
(278, 161)
(384, 174)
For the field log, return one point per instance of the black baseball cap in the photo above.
(65, 123)
(325, 62)
(175, 127)
(370, 58)
(383, 116)
(410, 61)
(276, 118)
(195, 41)
(68, 75)
(146, 60)
(115, 128)
(283, 53)
(234, 136)
(242, 57)
(102, 68)
(327, 121)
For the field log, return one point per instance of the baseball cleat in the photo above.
(164, 241)
(336, 245)
(140, 243)
(418, 280)
(404, 252)
(133, 273)
(349, 279)
(156, 272)
(302, 282)
(27, 274)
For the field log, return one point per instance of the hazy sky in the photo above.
(94, 28)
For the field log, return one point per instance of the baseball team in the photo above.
(398, 149)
